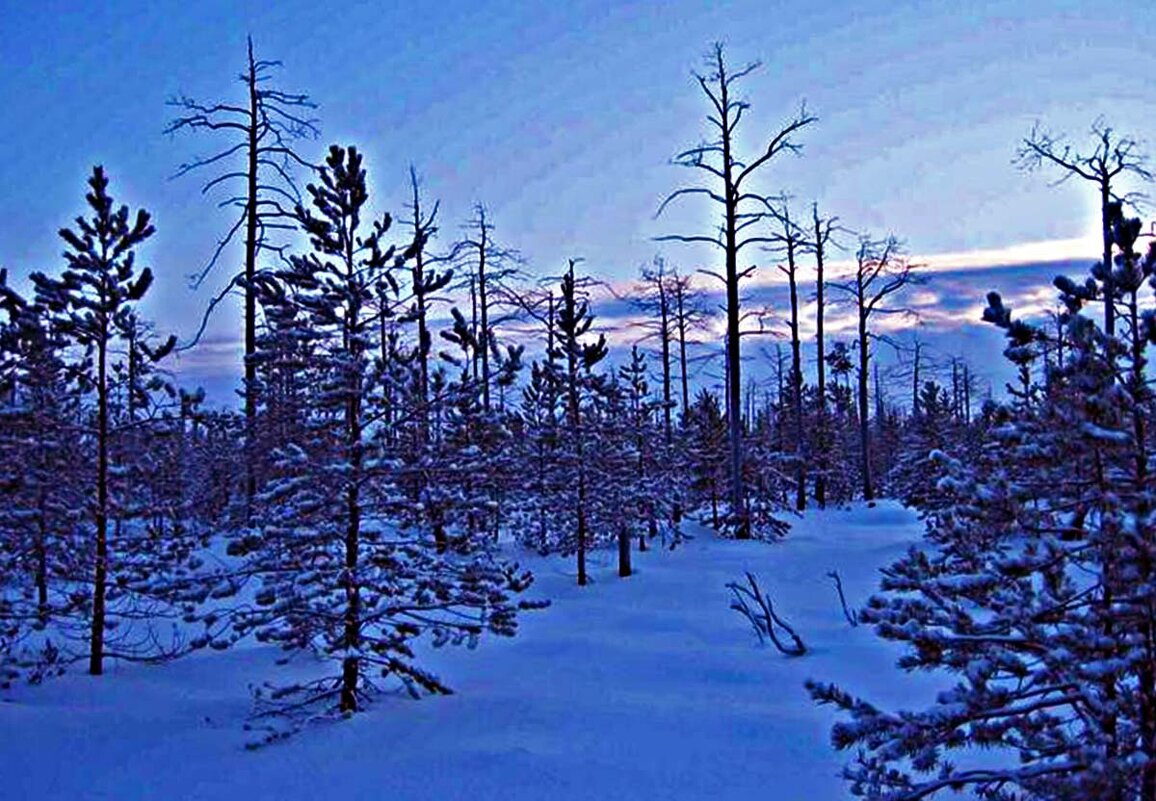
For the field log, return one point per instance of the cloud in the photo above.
(1027, 254)
(946, 310)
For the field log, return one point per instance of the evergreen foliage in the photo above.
(338, 576)
(1035, 591)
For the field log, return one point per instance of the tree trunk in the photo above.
(664, 312)
(733, 354)
(915, 380)
(422, 325)
(623, 551)
(796, 380)
(100, 579)
(820, 366)
(966, 394)
(483, 311)
(351, 663)
(682, 353)
(474, 323)
(250, 292)
(864, 426)
(42, 550)
(576, 433)
(1106, 232)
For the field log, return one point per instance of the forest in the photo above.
(422, 418)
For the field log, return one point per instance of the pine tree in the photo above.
(37, 494)
(706, 435)
(40, 494)
(470, 457)
(538, 519)
(92, 307)
(1036, 589)
(338, 575)
(931, 435)
(576, 359)
(649, 477)
(842, 427)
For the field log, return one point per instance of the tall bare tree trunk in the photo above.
(251, 181)
(483, 310)
(682, 352)
(864, 420)
(664, 310)
(733, 355)
(718, 159)
(821, 362)
(917, 358)
(422, 323)
(791, 242)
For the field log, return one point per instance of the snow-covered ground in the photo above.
(641, 688)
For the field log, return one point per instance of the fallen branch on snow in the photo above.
(834, 574)
(758, 609)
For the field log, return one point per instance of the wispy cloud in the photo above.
(946, 310)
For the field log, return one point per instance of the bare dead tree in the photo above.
(727, 179)
(917, 348)
(913, 363)
(1112, 156)
(690, 315)
(426, 283)
(790, 243)
(488, 267)
(258, 158)
(823, 230)
(881, 270)
(655, 298)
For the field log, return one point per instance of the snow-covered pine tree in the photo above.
(769, 460)
(284, 376)
(199, 460)
(148, 486)
(468, 461)
(425, 394)
(41, 499)
(92, 307)
(768, 463)
(574, 360)
(931, 435)
(706, 435)
(616, 506)
(538, 516)
(651, 477)
(38, 498)
(338, 577)
(1036, 589)
(841, 430)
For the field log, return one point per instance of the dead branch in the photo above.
(766, 623)
(834, 576)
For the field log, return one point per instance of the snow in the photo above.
(642, 688)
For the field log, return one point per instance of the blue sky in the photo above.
(562, 117)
